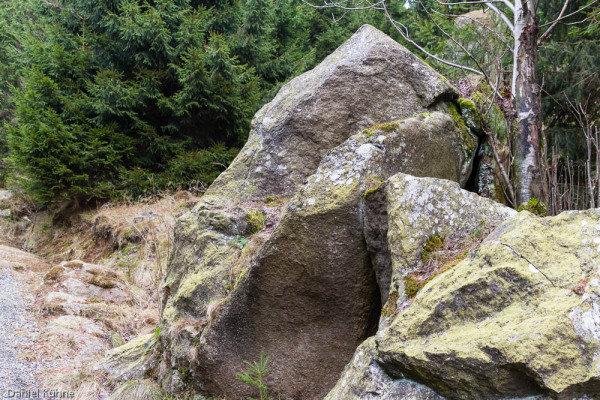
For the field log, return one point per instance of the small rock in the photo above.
(102, 281)
(53, 275)
(145, 216)
(72, 264)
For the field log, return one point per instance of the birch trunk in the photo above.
(528, 102)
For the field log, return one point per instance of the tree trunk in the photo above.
(528, 101)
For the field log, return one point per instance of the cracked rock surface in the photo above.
(519, 317)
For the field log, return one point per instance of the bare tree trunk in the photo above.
(588, 169)
(528, 101)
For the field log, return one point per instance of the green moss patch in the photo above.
(440, 254)
(468, 141)
(256, 221)
(534, 206)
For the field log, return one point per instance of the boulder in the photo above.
(310, 296)
(85, 280)
(400, 217)
(370, 79)
(518, 317)
(13, 258)
(364, 379)
(130, 361)
(261, 254)
(406, 212)
(81, 335)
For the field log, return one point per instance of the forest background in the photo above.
(112, 99)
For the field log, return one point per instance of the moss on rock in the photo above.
(508, 311)
(469, 140)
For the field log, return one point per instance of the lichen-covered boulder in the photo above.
(367, 82)
(406, 211)
(400, 218)
(518, 317)
(130, 361)
(370, 79)
(364, 379)
(310, 296)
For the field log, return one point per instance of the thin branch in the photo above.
(578, 22)
(405, 36)
(502, 15)
(481, 24)
(547, 33)
(568, 15)
(457, 43)
(341, 6)
(506, 2)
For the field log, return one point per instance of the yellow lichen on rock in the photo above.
(508, 307)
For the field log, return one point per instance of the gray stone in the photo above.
(364, 379)
(310, 295)
(231, 275)
(129, 361)
(145, 216)
(516, 318)
(370, 79)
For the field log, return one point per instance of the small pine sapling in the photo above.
(255, 375)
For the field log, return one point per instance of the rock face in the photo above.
(310, 296)
(363, 378)
(264, 262)
(516, 318)
(405, 212)
(129, 362)
(370, 79)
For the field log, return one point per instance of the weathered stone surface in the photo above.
(400, 217)
(214, 285)
(406, 211)
(364, 379)
(311, 297)
(82, 334)
(11, 257)
(370, 79)
(130, 361)
(518, 317)
(89, 281)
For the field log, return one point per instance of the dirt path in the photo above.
(17, 327)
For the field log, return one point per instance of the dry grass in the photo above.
(213, 309)
(137, 390)
(83, 382)
(441, 254)
(135, 250)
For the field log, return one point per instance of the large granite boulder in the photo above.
(370, 79)
(264, 262)
(516, 318)
(405, 213)
(310, 296)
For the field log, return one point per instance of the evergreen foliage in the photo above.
(108, 98)
(112, 98)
